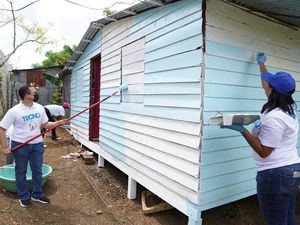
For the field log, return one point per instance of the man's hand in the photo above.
(61, 122)
(261, 58)
(6, 151)
(236, 127)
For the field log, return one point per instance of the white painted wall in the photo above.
(232, 85)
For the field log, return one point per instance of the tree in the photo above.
(108, 11)
(22, 32)
(56, 58)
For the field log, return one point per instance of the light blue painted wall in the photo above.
(232, 85)
(172, 92)
(80, 83)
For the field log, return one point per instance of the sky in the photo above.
(68, 23)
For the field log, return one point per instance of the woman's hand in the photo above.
(261, 58)
(236, 127)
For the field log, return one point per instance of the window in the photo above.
(133, 67)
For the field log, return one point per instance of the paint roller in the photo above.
(121, 88)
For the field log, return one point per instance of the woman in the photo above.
(274, 140)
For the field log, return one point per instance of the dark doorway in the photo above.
(95, 97)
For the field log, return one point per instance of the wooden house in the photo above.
(183, 61)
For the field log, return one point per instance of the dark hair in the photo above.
(285, 103)
(24, 90)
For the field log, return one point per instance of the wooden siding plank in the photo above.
(111, 68)
(191, 17)
(226, 200)
(135, 78)
(235, 141)
(176, 175)
(168, 147)
(137, 56)
(218, 76)
(167, 189)
(262, 28)
(111, 61)
(166, 17)
(211, 157)
(218, 169)
(133, 47)
(220, 63)
(239, 54)
(229, 191)
(172, 125)
(136, 98)
(175, 162)
(186, 45)
(111, 76)
(178, 35)
(175, 137)
(178, 100)
(173, 88)
(216, 182)
(182, 114)
(192, 74)
(188, 59)
(221, 35)
(113, 30)
(231, 91)
(137, 67)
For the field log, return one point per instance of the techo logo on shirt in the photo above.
(31, 117)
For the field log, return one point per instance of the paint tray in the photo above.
(229, 119)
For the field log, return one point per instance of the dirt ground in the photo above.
(74, 201)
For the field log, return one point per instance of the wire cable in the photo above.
(100, 9)
(21, 7)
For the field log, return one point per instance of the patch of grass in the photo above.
(50, 222)
(4, 210)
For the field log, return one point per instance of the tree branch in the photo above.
(6, 22)
(14, 20)
(35, 40)
(21, 7)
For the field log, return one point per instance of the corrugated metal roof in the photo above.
(140, 7)
(287, 11)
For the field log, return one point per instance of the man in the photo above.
(9, 131)
(56, 111)
(27, 118)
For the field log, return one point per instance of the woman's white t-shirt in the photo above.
(56, 110)
(277, 130)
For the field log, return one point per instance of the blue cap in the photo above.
(282, 82)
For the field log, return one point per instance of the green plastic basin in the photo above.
(8, 179)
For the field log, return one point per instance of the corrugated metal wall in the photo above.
(232, 84)
(46, 88)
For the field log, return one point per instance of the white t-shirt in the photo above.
(26, 122)
(277, 130)
(56, 110)
(9, 131)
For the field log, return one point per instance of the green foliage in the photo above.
(56, 98)
(56, 58)
(53, 80)
(108, 12)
